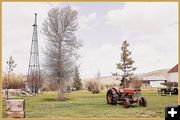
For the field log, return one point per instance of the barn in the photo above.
(173, 74)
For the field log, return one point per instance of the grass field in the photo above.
(86, 104)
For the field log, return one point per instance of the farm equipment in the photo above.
(127, 96)
(169, 88)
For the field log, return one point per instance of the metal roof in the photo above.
(154, 78)
(174, 69)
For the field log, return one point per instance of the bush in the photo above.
(136, 84)
(113, 85)
(103, 86)
(93, 86)
(45, 88)
(52, 87)
(15, 81)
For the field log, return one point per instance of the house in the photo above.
(173, 74)
(153, 81)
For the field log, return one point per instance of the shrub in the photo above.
(15, 81)
(113, 85)
(107, 86)
(52, 86)
(103, 86)
(93, 86)
(45, 88)
(136, 84)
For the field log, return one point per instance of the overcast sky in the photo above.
(150, 28)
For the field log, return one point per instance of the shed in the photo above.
(153, 81)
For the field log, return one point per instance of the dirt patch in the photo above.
(150, 113)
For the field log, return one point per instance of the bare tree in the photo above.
(11, 66)
(62, 45)
(98, 75)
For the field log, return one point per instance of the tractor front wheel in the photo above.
(143, 102)
(126, 103)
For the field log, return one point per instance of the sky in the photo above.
(151, 28)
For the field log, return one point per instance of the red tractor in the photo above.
(127, 96)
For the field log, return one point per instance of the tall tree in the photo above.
(126, 64)
(76, 79)
(62, 45)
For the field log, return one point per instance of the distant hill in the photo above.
(114, 79)
(161, 73)
(105, 80)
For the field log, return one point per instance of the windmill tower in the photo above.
(34, 68)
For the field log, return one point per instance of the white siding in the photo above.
(173, 77)
(156, 83)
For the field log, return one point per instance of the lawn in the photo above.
(85, 104)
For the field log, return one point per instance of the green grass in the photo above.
(86, 104)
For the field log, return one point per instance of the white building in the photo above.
(154, 81)
(173, 74)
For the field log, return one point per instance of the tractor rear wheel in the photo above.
(112, 97)
(126, 103)
(143, 102)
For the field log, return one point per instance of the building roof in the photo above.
(154, 78)
(174, 69)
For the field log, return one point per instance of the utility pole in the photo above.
(34, 67)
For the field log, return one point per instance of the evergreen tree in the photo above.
(76, 79)
(125, 65)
